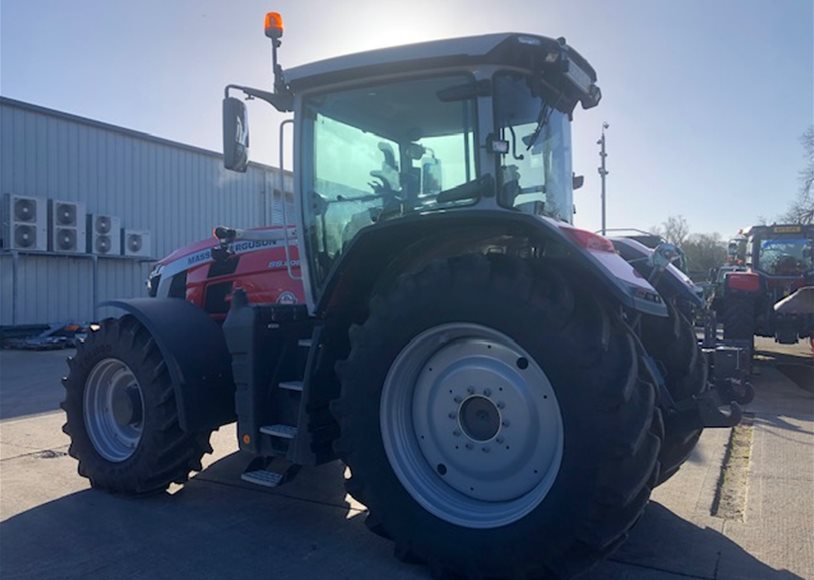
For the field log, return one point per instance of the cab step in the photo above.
(263, 477)
(281, 431)
(270, 472)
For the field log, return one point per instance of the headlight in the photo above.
(153, 279)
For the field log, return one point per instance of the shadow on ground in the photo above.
(799, 369)
(31, 381)
(217, 527)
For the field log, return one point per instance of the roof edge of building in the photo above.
(26, 106)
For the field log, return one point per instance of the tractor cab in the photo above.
(480, 123)
(781, 251)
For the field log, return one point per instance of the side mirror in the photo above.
(577, 181)
(664, 255)
(235, 135)
(431, 175)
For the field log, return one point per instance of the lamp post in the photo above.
(602, 171)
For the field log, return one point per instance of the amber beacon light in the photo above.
(273, 25)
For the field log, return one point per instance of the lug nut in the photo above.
(499, 439)
(505, 423)
(470, 390)
(457, 399)
(457, 432)
(452, 415)
(500, 404)
(468, 446)
(485, 449)
(487, 392)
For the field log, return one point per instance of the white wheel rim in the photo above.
(113, 407)
(471, 425)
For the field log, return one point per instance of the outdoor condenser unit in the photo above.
(136, 243)
(104, 235)
(24, 223)
(66, 227)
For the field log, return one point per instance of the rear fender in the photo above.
(195, 352)
(406, 243)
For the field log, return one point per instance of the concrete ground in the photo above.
(53, 526)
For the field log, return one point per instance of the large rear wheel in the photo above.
(494, 423)
(121, 413)
(738, 318)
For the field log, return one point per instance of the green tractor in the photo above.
(506, 389)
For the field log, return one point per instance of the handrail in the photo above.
(281, 189)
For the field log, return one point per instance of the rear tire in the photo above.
(156, 452)
(672, 342)
(611, 428)
(738, 318)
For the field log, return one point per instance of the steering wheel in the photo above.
(383, 188)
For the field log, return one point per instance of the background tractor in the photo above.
(505, 388)
(778, 264)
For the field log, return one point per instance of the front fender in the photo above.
(402, 243)
(197, 359)
(673, 283)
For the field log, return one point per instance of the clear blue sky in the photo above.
(706, 99)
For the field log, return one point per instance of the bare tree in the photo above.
(801, 210)
(675, 230)
(704, 252)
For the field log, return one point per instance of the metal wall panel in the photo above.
(177, 192)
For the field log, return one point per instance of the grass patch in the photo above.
(733, 484)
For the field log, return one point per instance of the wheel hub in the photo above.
(471, 425)
(126, 405)
(479, 418)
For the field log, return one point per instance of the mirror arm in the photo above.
(283, 102)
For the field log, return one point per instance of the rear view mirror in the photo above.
(235, 135)
(577, 181)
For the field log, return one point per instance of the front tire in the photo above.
(672, 342)
(121, 413)
(592, 426)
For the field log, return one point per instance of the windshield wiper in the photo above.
(467, 190)
(542, 121)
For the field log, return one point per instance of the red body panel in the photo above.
(260, 271)
(743, 281)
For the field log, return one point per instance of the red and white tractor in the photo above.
(505, 388)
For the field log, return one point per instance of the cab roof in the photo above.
(508, 48)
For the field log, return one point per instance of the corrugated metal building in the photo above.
(175, 191)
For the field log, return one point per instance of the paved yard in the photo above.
(54, 526)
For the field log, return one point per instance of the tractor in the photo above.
(778, 266)
(505, 388)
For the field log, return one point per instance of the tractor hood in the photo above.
(205, 246)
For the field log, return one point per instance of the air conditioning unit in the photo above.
(66, 227)
(24, 222)
(104, 235)
(136, 243)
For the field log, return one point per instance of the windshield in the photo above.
(381, 152)
(535, 175)
(786, 256)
